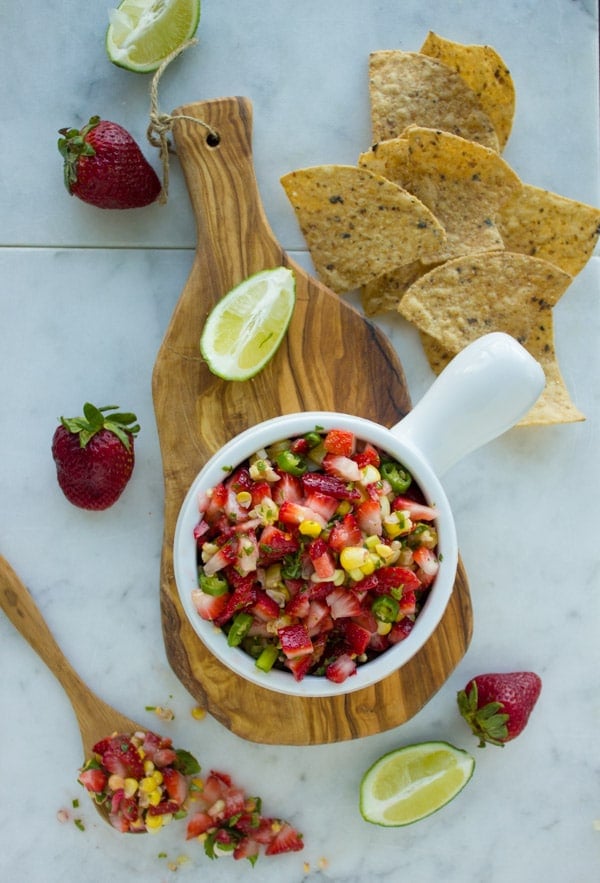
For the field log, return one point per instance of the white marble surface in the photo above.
(85, 298)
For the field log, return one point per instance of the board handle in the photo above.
(213, 141)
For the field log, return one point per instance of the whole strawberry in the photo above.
(497, 706)
(94, 455)
(105, 167)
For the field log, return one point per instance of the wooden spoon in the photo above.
(96, 719)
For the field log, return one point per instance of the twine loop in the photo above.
(161, 124)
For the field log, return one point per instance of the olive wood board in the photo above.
(331, 359)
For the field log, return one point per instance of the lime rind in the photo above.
(142, 33)
(413, 782)
(245, 328)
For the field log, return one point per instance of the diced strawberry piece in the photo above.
(341, 467)
(340, 669)
(322, 559)
(199, 823)
(428, 565)
(209, 607)
(343, 603)
(368, 516)
(94, 780)
(275, 544)
(379, 643)
(300, 446)
(299, 666)
(295, 640)
(397, 578)
(222, 558)
(260, 490)
(332, 485)
(164, 757)
(318, 618)
(165, 807)
(340, 441)
(345, 533)
(215, 506)
(201, 529)
(417, 511)
(298, 606)
(247, 848)
(356, 637)
(289, 487)
(265, 607)
(400, 630)
(408, 603)
(242, 597)
(367, 457)
(323, 504)
(176, 784)
(123, 759)
(286, 839)
(296, 513)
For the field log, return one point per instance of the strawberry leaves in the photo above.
(487, 722)
(121, 424)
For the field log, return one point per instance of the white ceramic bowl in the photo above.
(484, 391)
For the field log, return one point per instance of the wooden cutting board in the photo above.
(331, 359)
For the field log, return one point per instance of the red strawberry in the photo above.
(105, 167)
(295, 640)
(341, 668)
(94, 779)
(343, 603)
(94, 456)
(286, 839)
(340, 441)
(209, 606)
(497, 706)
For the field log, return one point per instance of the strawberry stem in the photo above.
(123, 424)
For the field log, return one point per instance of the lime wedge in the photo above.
(411, 783)
(142, 33)
(244, 329)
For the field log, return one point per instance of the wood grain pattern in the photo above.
(331, 359)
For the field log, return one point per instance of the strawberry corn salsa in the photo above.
(144, 784)
(316, 555)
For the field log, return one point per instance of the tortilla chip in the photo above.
(408, 88)
(385, 292)
(358, 225)
(554, 404)
(389, 159)
(464, 184)
(462, 299)
(482, 68)
(560, 230)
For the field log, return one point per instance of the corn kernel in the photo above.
(353, 557)
(370, 565)
(276, 827)
(244, 498)
(384, 552)
(383, 628)
(310, 528)
(198, 713)
(158, 777)
(148, 767)
(372, 542)
(369, 474)
(155, 797)
(147, 784)
(130, 786)
(154, 823)
(115, 782)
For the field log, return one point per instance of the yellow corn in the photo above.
(310, 528)
(155, 797)
(130, 786)
(372, 542)
(244, 498)
(353, 557)
(148, 767)
(384, 552)
(148, 784)
(116, 782)
(153, 823)
(158, 777)
(383, 628)
(369, 474)
(198, 713)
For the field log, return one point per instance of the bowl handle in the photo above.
(487, 388)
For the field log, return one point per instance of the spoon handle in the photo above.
(25, 615)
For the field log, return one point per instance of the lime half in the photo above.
(411, 783)
(244, 329)
(142, 33)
